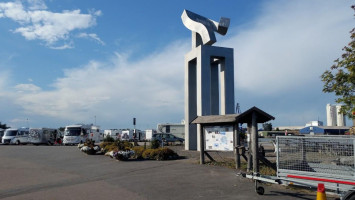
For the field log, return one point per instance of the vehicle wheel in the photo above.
(17, 142)
(350, 195)
(260, 190)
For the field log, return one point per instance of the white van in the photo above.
(15, 136)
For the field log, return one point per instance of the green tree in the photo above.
(340, 79)
(267, 126)
(3, 126)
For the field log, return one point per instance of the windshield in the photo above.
(72, 132)
(11, 133)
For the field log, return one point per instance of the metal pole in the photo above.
(202, 146)
(255, 146)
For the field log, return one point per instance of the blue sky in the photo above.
(67, 61)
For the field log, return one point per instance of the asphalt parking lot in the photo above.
(63, 172)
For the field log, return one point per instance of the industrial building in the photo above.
(324, 130)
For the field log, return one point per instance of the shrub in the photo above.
(166, 154)
(154, 144)
(138, 152)
(123, 145)
(108, 146)
(109, 139)
(146, 153)
(159, 154)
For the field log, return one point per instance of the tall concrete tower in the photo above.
(331, 115)
(340, 117)
(334, 118)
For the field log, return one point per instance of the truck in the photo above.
(79, 133)
(114, 133)
(43, 136)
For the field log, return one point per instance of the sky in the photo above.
(106, 62)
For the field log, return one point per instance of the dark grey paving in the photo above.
(61, 172)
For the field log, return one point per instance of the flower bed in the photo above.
(89, 148)
(124, 150)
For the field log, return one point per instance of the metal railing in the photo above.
(313, 160)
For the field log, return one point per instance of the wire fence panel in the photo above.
(317, 158)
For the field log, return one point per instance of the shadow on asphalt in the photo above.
(296, 195)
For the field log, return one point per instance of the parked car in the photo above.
(167, 137)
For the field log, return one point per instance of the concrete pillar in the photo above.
(214, 87)
(201, 87)
(191, 107)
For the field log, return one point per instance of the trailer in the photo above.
(308, 161)
(38, 136)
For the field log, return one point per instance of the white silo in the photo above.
(331, 115)
(340, 117)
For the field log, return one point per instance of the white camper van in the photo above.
(114, 133)
(78, 133)
(129, 135)
(43, 136)
(15, 136)
(149, 133)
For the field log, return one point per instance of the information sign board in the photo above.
(219, 138)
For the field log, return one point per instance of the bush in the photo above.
(109, 139)
(108, 146)
(154, 144)
(123, 145)
(159, 154)
(138, 152)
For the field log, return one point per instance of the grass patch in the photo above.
(230, 163)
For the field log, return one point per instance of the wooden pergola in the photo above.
(251, 117)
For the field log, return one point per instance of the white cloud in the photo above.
(290, 45)
(91, 36)
(39, 24)
(31, 88)
(36, 4)
(113, 88)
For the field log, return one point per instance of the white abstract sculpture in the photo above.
(209, 74)
(204, 27)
